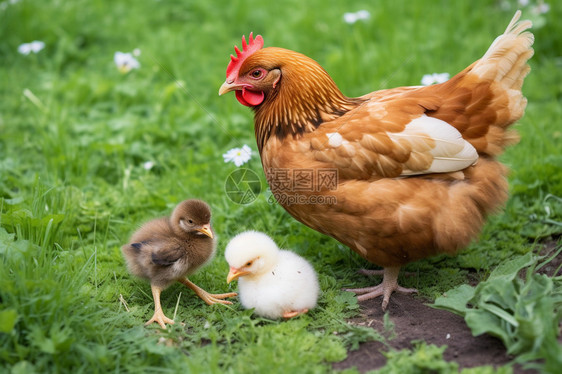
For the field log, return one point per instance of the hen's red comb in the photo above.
(247, 50)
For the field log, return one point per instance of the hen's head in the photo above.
(250, 253)
(192, 217)
(290, 92)
(248, 75)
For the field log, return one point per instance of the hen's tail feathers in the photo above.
(485, 99)
(506, 59)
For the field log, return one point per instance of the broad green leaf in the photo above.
(500, 291)
(481, 322)
(500, 313)
(23, 367)
(455, 300)
(8, 318)
(510, 268)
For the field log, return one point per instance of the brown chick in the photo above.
(166, 250)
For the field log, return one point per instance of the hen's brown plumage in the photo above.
(166, 250)
(416, 168)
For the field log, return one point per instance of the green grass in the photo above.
(75, 133)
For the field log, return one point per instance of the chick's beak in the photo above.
(227, 87)
(235, 273)
(206, 229)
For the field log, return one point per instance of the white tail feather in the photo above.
(505, 60)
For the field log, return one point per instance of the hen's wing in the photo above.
(390, 139)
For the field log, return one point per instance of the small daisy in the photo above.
(238, 155)
(429, 79)
(136, 52)
(148, 165)
(363, 14)
(351, 18)
(125, 62)
(541, 8)
(35, 46)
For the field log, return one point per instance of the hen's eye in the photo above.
(190, 221)
(256, 73)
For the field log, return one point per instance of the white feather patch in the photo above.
(334, 139)
(450, 152)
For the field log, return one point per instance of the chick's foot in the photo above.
(160, 318)
(385, 289)
(294, 313)
(209, 298)
(158, 314)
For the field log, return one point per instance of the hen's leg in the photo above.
(210, 299)
(386, 288)
(158, 314)
(294, 313)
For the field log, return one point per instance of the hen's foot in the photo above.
(294, 313)
(385, 289)
(209, 298)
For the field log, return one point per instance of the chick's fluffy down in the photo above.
(291, 285)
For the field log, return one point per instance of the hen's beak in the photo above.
(227, 87)
(206, 229)
(235, 273)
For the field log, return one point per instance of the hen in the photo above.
(399, 174)
(165, 250)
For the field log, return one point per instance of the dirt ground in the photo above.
(413, 320)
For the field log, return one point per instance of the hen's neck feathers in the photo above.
(305, 97)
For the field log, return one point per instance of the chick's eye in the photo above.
(190, 221)
(249, 263)
(256, 73)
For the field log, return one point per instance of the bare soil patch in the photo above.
(413, 320)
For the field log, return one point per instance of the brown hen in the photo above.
(397, 175)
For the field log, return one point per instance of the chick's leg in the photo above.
(209, 298)
(158, 314)
(386, 288)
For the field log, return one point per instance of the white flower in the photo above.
(523, 2)
(238, 155)
(148, 165)
(430, 79)
(125, 62)
(35, 46)
(541, 8)
(363, 14)
(136, 52)
(351, 18)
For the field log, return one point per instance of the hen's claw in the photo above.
(385, 289)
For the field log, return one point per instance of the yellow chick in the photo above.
(276, 283)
